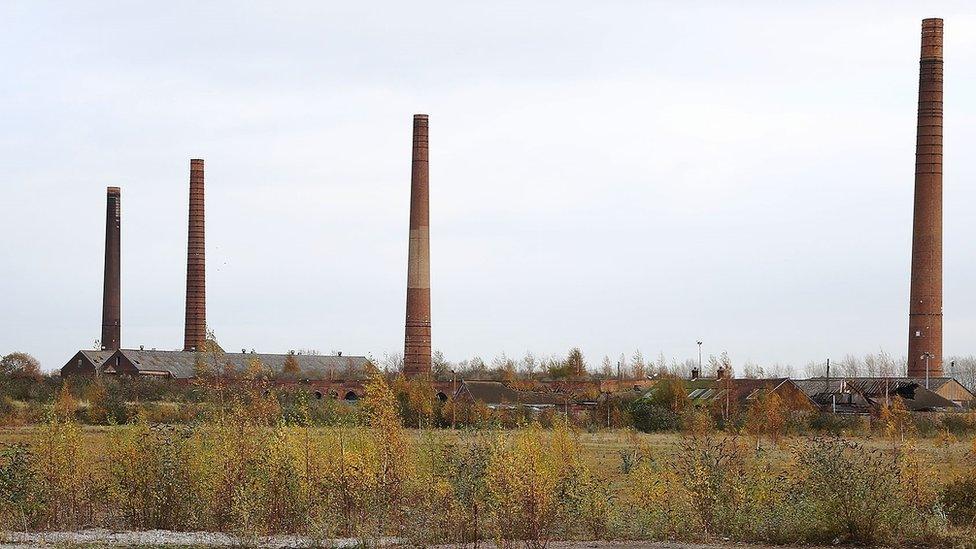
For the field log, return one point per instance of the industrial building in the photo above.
(925, 306)
(861, 395)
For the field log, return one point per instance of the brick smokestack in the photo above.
(112, 281)
(416, 349)
(195, 330)
(925, 309)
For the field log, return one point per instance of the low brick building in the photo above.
(85, 363)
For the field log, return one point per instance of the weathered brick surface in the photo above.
(195, 328)
(925, 310)
(416, 348)
(112, 278)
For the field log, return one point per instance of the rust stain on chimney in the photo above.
(416, 349)
(195, 330)
(925, 310)
(112, 277)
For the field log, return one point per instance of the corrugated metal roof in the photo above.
(819, 384)
(496, 392)
(704, 390)
(872, 390)
(97, 357)
(182, 364)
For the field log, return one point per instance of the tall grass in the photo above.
(249, 472)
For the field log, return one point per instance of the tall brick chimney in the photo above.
(195, 330)
(112, 277)
(925, 309)
(416, 348)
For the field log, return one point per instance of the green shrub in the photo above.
(960, 424)
(649, 417)
(959, 499)
(839, 424)
(19, 488)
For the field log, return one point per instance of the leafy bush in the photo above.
(19, 488)
(838, 424)
(960, 424)
(959, 499)
(650, 418)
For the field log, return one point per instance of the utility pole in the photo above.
(926, 356)
(699, 358)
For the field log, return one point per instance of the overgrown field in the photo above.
(240, 474)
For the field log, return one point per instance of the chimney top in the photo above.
(420, 116)
(114, 190)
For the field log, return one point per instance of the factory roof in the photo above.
(817, 384)
(85, 362)
(97, 357)
(741, 391)
(872, 391)
(186, 364)
(497, 393)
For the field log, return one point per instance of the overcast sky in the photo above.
(613, 175)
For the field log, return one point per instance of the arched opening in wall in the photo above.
(333, 394)
(318, 395)
(351, 396)
(442, 397)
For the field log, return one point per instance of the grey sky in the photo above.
(611, 175)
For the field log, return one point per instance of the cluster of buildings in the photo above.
(859, 396)
(925, 387)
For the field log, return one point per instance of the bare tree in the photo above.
(503, 367)
(720, 362)
(963, 368)
(638, 367)
(816, 369)
(392, 362)
(661, 364)
(440, 366)
(529, 364)
(850, 366)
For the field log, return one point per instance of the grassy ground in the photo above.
(606, 451)
(242, 477)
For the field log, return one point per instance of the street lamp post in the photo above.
(453, 399)
(699, 358)
(926, 356)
